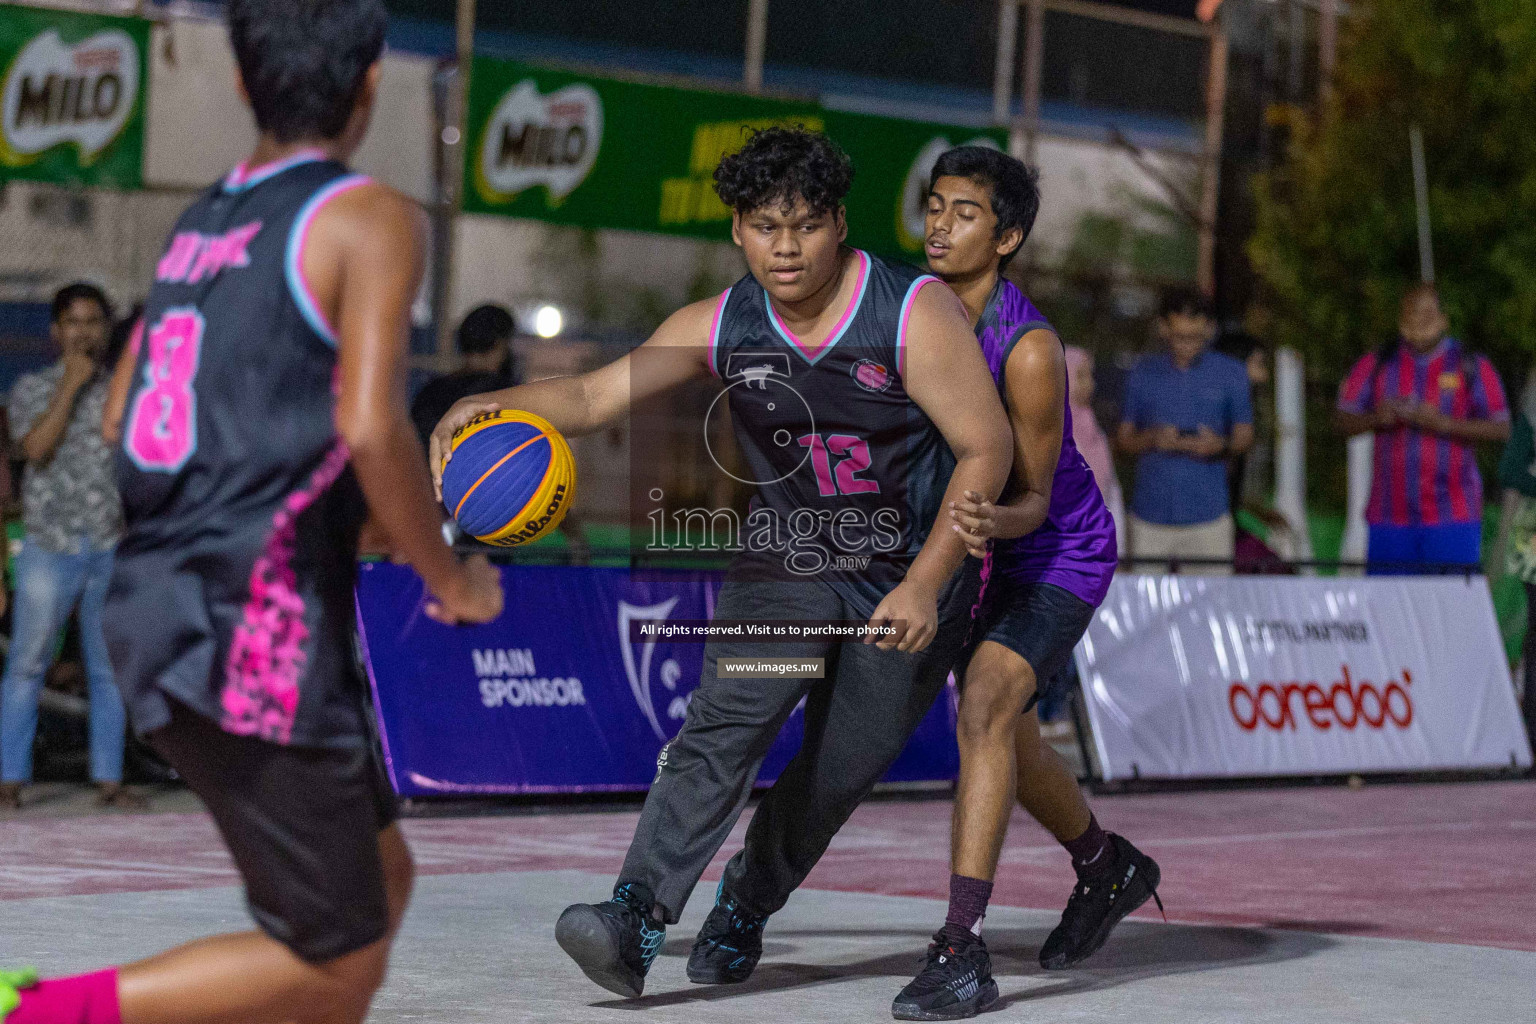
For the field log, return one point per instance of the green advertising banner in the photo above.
(602, 153)
(73, 97)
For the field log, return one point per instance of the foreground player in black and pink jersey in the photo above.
(1049, 547)
(267, 405)
(862, 405)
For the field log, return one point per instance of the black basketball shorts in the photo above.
(1040, 622)
(302, 824)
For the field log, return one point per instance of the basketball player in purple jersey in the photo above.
(1049, 548)
(269, 406)
(903, 418)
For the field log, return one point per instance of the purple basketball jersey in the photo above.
(1075, 547)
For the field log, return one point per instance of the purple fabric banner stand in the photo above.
(553, 697)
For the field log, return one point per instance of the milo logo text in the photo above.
(56, 93)
(540, 140)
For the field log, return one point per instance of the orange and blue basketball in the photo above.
(511, 478)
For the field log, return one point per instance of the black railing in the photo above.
(640, 558)
(1278, 566)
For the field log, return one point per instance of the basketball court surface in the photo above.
(1392, 904)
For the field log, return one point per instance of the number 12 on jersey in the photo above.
(844, 477)
(162, 421)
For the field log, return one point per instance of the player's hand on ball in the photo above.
(473, 597)
(975, 519)
(913, 611)
(440, 448)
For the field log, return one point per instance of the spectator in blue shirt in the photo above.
(1187, 412)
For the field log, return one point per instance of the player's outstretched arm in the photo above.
(587, 402)
(947, 376)
(1036, 379)
(117, 389)
(363, 262)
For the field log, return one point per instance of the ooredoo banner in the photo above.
(559, 694)
(1195, 677)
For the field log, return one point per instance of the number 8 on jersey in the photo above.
(162, 423)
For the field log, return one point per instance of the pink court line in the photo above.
(1148, 842)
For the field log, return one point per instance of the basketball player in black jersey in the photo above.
(862, 405)
(267, 406)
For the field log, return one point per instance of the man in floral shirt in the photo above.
(73, 518)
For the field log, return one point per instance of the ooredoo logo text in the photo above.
(1347, 703)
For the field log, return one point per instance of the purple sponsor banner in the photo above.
(555, 696)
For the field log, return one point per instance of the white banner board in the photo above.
(1199, 677)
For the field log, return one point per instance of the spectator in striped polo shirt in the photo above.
(1428, 401)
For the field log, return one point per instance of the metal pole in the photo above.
(1028, 129)
(1118, 15)
(1002, 73)
(1290, 449)
(451, 145)
(444, 84)
(464, 32)
(1298, 40)
(1210, 175)
(1361, 463)
(1327, 44)
(1421, 200)
(757, 44)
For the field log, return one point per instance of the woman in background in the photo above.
(1266, 540)
(1090, 439)
(1249, 473)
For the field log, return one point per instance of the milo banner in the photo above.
(73, 97)
(558, 694)
(602, 153)
(1191, 677)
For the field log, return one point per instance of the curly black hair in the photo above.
(778, 166)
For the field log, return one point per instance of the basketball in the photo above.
(511, 478)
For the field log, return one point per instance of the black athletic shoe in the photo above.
(1096, 906)
(955, 983)
(614, 942)
(729, 945)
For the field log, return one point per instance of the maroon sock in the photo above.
(968, 902)
(82, 999)
(1092, 854)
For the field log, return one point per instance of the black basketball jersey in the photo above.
(850, 473)
(233, 589)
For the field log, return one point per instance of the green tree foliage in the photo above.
(1336, 239)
